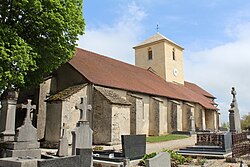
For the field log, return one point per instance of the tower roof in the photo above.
(155, 38)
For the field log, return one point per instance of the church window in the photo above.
(150, 54)
(173, 53)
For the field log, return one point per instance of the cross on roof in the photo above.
(157, 28)
(82, 106)
(29, 108)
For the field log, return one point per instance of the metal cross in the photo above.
(29, 108)
(82, 106)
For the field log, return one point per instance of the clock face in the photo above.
(175, 72)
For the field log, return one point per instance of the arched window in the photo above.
(173, 54)
(150, 54)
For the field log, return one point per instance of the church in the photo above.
(150, 97)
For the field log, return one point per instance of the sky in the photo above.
(214, 33)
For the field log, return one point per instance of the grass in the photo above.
(155, 139)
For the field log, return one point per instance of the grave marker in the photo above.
(234, 115)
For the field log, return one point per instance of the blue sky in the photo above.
(214, 33)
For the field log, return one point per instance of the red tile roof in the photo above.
(109, 72)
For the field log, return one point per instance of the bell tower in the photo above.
(161, 56)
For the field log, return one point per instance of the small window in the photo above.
(150, 54)
(173, 53)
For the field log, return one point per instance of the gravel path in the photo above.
(171, 145)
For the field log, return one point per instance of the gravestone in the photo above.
(63, 144)
(8, 114)
(25, 143)
(234, 115)
(133, 146)
(82, 135)
(160, 160)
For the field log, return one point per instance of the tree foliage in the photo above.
(36, 37)
(245, 122)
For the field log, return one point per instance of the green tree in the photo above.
(36, 37)
(245, 122)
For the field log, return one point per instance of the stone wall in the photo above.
(154, 117)
(198, 116)
(53, 121)
(163, 123)
(210, 119)
(45, 89)
(67, 76)
(186, 117)
(102, 121)
(132, 100)
(139, 113)
(120, 122)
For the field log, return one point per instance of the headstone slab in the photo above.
(82, 136)
(134, 146)
(26, 133)
(160, 160)
(18, 162)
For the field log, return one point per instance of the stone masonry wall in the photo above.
(102, 111)
(120, 122)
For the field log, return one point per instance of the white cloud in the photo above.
(116, 40)
(220, 68)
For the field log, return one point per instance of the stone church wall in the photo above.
(53, 121)
(132, 100)
(154, 117)
(186, 117)
(67, 76)
(120, 122)
(102, 121)
(198, 116)
(163, 117)
(210, 119)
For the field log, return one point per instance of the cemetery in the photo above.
(20, 147)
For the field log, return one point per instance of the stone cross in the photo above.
(233, 92)
(82, 106)
(29, 108)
